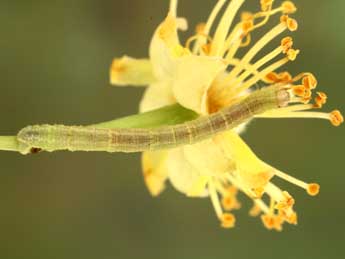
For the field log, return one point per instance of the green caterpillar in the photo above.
(78, 138)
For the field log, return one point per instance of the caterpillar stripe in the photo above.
(78, 138)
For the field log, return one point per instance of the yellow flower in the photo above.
(205, 75)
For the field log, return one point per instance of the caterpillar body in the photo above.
(80, 138)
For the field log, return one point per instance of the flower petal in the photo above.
(129, 71)
(155, 171)
(208, 158)
(192, 79)
(157, 95)
(183, 176)
(165, 47)
(251, 171)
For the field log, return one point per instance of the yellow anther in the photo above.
(271, 77)
(320, 99)
(284, 77)
(286, 44)
(307, 96)
(266, 4)
(336, 118)
(231, 190)
(206, 48)
(291, 23)
(272, 222)
(200, 28)
(228, 220)
(286, 203)
(299, 90)
(247, 16)
(230, 203)
(313, 189)
(247, 26)
(292, 54)
(309, 81)
(288, 7)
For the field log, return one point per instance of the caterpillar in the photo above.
(80, 138)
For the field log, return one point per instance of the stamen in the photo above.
(288, 7)
(230, 203)
(259, 64)
(312, 188)
(255, 49)
(228, 220)
(261, 75)
(233, 40)
(291, 23)
(334, 117)
(207, 27)
(215, 199)
(224, 25)
(320, 99)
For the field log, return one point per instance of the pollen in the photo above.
(313, 189)
(228, 220)
(336, 118)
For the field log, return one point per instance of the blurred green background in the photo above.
(54, 63)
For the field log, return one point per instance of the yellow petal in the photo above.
(183, 176)
(157, 95)
(155, 171)
(208, 158)
(192, 79)
(165, 47)
(250, 170)
(129, 71)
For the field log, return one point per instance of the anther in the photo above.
(286, 44)
(309, 81)
(288, 7)
(266, 4)
(299, 90)
(313, 189)
(247, 16)
(291, 23)
(247, 26)
(227, 220)
(292, 54)
(320, 99)
(200, 28)
(230, 203)
(336, 118)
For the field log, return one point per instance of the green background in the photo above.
(54, 63)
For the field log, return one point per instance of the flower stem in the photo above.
(168, 115)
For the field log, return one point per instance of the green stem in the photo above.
(168, 115)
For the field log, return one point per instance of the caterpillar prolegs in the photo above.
(80, 138)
